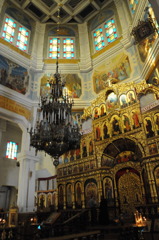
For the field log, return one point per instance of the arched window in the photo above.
(105, 33)
(12, 149)
(16, 34)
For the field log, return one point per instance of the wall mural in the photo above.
(154, 77)
(73, 84)
(90, 191)
(116, 69)
(13, 75)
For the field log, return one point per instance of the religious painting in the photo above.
(107, 161)
(66, 157)
(69, 195)
(69, 170)
(98, 133)
(65, 171)
(13, 75)
(135, 119)
(92, 164)
(84, 149)
(91, 147)
(123, 101)
(78, 153)
(152, 148)
(156, 119)
(59, 172)
(86, 166)
(80, 167)
(61, 196)
(131, 99)
(113, 70)
(78, 194)
(42, 201)
(108, 189)
(111, 101)
(90, 191)
(154, 77)
(75, 169)
(145, 46)
(148, 127)
(72, 152)
(105, 131)
(125, 156)
(73, 84)
(115, 122)
(156, 175)
(126, 122)
(49, 197)
(96, 113)
(102, 110)
(54, 198)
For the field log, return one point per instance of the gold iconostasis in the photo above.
(119, 153)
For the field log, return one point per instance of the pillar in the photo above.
(1, 4)
(26, 185)
(155, 6)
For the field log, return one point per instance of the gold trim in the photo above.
(49, 61)
(15, 48)
(106, 48)
(152, 68)
(13, 106)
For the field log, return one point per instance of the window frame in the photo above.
(17, 30)
(61, 47)
(102, 25)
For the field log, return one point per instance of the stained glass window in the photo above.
(12, 149)
(68, 48)
(111, 31)
(9, 30)
(22, 41)
(133, 5)
(54, 48)
(98, 39)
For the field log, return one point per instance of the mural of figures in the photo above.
(42, 201)
(102, 110)
(84, 149)
(105, 131)
(126, 122)
(13, 75)
(86, 166)
(69, 195)
(78, 195)
(78, 153)
(148, 126)
(98, 133)
(135, 118)
(111, 101)
(117, 69)
(72, 87)
(152, 148)
(80, 167)
(96, 113)
(157, 122)
(90, 147)
(115, 125)
(108, 189)
(156, 174)
(92, 164)
(131, 97)
(123, 101)
(90, 191)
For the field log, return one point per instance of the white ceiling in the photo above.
(71, 11)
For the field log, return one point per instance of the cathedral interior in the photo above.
(106, 53)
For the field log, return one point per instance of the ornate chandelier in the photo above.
(55, 132)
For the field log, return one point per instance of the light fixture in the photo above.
(55, 132)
